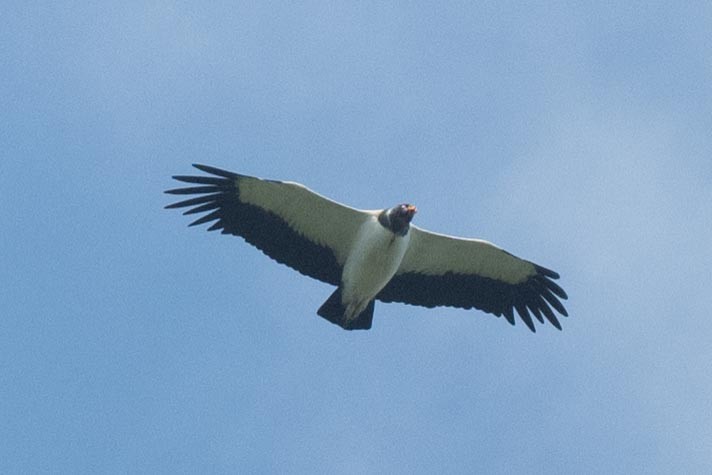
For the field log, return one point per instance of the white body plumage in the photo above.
(376, 255)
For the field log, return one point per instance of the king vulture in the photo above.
(370, 255)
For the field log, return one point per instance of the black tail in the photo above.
(333, 310)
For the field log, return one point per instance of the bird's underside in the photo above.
(370, 254)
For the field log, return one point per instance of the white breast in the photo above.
(374, 259)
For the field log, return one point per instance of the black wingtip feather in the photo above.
(193, 190)
(549, 314)
(207, 218)
(215, 197)
(203, 208)
(218, 225)
(535, 311)
(202, 180)
(554, 287)
(215, 171)
(554, 302)
(546, 272)
(556, 324)
(526, 318)
(509, 315)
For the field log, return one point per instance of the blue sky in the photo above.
(575, 135)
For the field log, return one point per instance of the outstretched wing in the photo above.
(441, 270)
(285, 220)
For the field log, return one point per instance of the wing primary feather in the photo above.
(547, 272)
(554, 302)
(535, 311)
(202, 180)
(542, 289)
(508, 314)
(546, 310)
(216, 171)
(554, 287)
(203, 208)
(192, 190)
(524, 314)
(194, 201)
(218, 225)
(207, 218)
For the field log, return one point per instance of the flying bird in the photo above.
(370, 255)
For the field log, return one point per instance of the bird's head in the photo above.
(397, 219)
